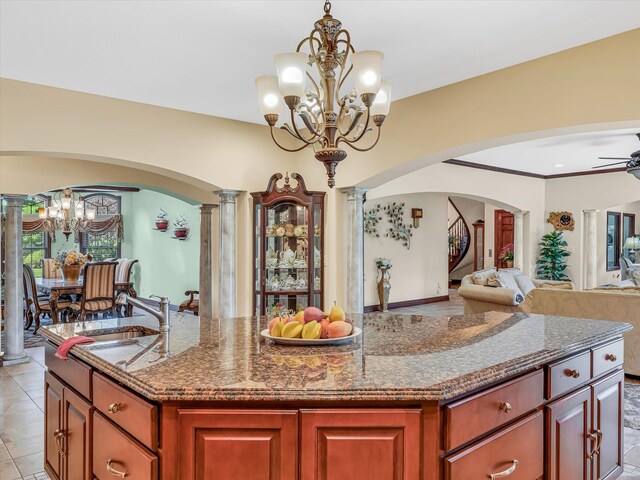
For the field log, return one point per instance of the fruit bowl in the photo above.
(313, 342)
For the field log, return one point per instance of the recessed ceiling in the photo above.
(558, 155)
(203, 56)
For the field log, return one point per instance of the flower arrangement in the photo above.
(161, 215)
(506, 254)
(383, 263)
(162, 222)
(181, 227)
(71, 257)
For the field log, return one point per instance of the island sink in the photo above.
(119, 333)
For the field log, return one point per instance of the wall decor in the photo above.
(181, 228)
(162, 220)
(416, 214)
(371, 219)
(561, 221)
(399, 230)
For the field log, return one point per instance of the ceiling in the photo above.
(559, 155)
(203, 56)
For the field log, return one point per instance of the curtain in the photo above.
(102, 224)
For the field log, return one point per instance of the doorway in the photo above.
(504, 223)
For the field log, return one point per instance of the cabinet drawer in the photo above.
(114, 451)
(518, 448)
(568, 374)
(135, 415)
(72, 371)
(607, 357)
(474, 416)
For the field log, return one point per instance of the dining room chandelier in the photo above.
(331, 119)
(67, 213)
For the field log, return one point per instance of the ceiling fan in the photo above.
(633, 162)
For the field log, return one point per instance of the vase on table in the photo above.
(71, 273)
(509, 263)
(384, 288)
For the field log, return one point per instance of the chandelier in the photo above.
(330, 119)
(66, 213)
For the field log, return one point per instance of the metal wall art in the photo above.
(399, 230)
(561, 220)
(371, 219)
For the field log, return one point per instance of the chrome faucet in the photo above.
(162, 315)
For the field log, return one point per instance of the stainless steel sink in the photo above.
(119, 333)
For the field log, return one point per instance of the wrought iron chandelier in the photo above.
(67, 213)
(330, 119)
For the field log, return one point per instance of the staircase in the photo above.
(459, 240)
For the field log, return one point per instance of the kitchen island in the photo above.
(491, 395)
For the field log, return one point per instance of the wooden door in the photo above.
(53, 423)
(568, 444)
(77, 439)
(608, 418)
(366, 444)
(504, 223)
(237, 445)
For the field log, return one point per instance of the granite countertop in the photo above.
(398, 357)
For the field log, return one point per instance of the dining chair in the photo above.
(37, 305)
(191, 304)
(98, 290)
(49, 269)
(123, 275)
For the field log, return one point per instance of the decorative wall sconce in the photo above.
(416, 214)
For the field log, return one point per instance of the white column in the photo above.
(13, 317)
(354, 232)
(591, 248)
(227, 254)
(205, 304)
(518, 239)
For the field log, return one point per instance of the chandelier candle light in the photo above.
(330, 119)
(67, 213)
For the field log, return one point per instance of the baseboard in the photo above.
(408, 303)
(156, 303)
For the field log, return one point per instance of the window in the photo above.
(35, 245)
(106, 245)
(613, 240)
(628, 230)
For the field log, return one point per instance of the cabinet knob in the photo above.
(595, 437)
(572, 373)
(505, 473)
(506, 407)
(611, 357)
(58, 435)
(114, 407)
(113, 471)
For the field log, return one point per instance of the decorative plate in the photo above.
(319, 342)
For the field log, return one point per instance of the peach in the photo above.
(313, 313)
(339, 329)
(324, 324)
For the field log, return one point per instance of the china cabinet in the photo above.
(288, 245)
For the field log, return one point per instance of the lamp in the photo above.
(632, 244)
(330, 117)
(416, 214)
(67, 213)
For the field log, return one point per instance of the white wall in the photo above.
(420, 272)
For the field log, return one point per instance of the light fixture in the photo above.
(67, 213)
(632, 244)
(416, 214)
(330, 119)
(559, 165)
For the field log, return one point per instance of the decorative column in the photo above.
(205, 304)
(518, 239)
(354, 231)
(13, 317)
(227, 253)
(591, 248)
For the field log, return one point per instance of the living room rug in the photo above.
(632, 403)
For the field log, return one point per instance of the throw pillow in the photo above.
(507, 280)
(481, 277)
(525, 284)
(635, 274)
(513, 271)
(556, 285)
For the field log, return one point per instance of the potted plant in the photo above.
(553, 253)
(71, 263)
(506, 255)
(180, 227)
(162, 223)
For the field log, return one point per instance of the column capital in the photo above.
(227, 196)
(590, 212)
(354, 193)
(206, 208)
(14, 200)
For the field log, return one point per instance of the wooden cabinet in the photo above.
(608, 423)
(67, 432)
(376, 444)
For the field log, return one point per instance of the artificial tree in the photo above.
(551, 263)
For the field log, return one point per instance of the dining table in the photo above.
(56, 287)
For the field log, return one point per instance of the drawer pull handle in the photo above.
(58, 435)
(506, 407)
(114, 407)
(572, 373)
(113, 471)
(506, 472)
(597, 438)
(611, 357)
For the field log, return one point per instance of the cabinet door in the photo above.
(237, 444)
(77, 438)
(608, 417)
(360, 444)
(53, 425)
(568, 443)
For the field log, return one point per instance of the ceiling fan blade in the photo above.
(611, 164)
(615, 158)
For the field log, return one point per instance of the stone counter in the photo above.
(398, 357)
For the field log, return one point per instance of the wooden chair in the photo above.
(98, 290)
(191, 304)
(35, 305)
(49, 269)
